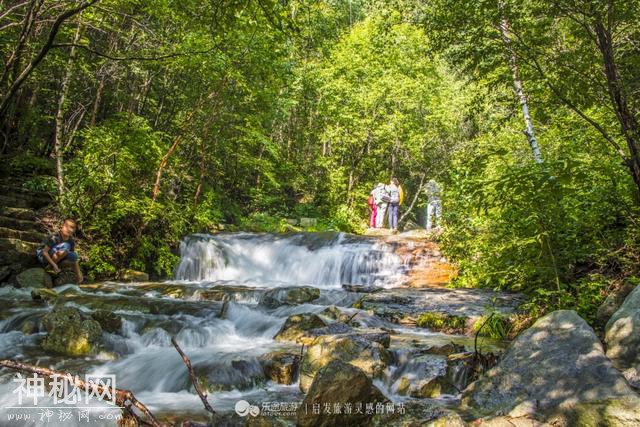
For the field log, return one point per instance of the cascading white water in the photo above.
(318, 259)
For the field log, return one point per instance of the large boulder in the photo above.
(622, 337)
(69, 334)
(555, 369)
(612, 303)
(296, 325)
(362, 351)
(34, 278)
(65, 277)
(342, 386)
(290, 295)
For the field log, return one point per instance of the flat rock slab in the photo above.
(402, 304)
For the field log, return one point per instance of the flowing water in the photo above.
(238, 268)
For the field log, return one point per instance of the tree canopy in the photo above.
(151, 120)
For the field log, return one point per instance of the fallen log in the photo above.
(123, 398)
(196, 384)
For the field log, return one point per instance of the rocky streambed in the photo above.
(277, 341)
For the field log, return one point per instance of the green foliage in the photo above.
(254, 113)
(494, 325)
(28, 164)
(442, 322)
(42, 183)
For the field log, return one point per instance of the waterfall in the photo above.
(318, 259)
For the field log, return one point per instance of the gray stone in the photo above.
(68, 334)
(108, 320)
(613, 302)
(44, 294)
(296, 325)
(290, 295)
(65, 277)
(422, 376)
(622, 337)
(339, 383)
(280, 366)
(34, 278)
(358, 350)
(555, 367)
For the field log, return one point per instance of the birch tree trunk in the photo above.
(518, 86)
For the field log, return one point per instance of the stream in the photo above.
(233, 270)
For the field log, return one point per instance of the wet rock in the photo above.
(613, 302)
(68, 334)
(65, 277)
(5, 272)
(225, 292)
(334, 313)
(108, 320)
(134, 276)
(172, 291)
(622, 337)
(44, 294)
(446, 349)
(405, 305)
(366, 289)
(225, 376)
(461, 370)
(332, 329)
(342, 384)
(292, 295)
(280, 367)
(34, 278)
(296, 325)
(557, 367)
(336, 329)
(29, 327)
(358, 350)
(422, 376)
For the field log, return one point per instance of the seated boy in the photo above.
(59, 249)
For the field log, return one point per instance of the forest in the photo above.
(149, 121)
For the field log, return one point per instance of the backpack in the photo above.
(394, 195)
(370, 200)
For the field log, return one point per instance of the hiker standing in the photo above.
(434, 206)
(373, 208)
(382, 201)
(395, 198)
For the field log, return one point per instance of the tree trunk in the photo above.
(628, 123)
(44, 50)
(518, 86)
(58, 143)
